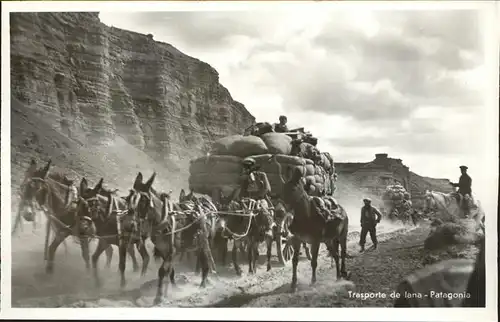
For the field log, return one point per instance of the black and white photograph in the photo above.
(250, 155)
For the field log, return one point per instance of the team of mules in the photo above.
(195, 225)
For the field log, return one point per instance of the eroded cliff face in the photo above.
(92, 83)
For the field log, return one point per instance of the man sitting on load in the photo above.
(281, 127)
(255, 185)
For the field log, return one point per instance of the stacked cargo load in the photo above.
(397, 203)
(221, 169)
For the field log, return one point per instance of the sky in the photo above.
(408, 83)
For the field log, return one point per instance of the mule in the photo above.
(188, 202)
(110, 194)
(449, 209)
(247, 221)
(171, 231)
(52, 193)
(282, 219)
(310, 226)
(105, 211)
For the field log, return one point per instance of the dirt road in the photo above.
(71, 286)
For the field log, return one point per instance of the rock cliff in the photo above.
(94, 83)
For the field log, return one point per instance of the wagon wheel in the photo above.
(283, 244)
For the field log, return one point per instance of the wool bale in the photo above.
(319, 179)
(247, 146)
(216, 163)
(223, 145)
(318, 170)
(215, 178)
(282, 159)
(273, 168)
(262, 158)
(289, 159)
(310, 169)
(326, 163)
(319, 187)
(310, 179)
(313, 191)
(227, 158)
(328, 185)
(305, 150)
(329, 164)
(238, 145)
(277, 143)
(287, 164)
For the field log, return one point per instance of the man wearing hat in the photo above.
(255, 185)
(281, 126)
(464, 187)
(370, 217)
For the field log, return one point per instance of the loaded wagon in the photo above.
(397, 204)
(220, 171)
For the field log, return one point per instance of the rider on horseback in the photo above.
(464, 189)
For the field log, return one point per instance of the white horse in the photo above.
(449, 209)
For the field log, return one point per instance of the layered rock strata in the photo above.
(93, 83)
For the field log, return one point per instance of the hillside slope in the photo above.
(118, 162)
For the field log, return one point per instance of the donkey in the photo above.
(245, 221)
(105, 210)
(52, 193)
(310, 226)
(171, 231)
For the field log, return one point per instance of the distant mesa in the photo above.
(376, 175)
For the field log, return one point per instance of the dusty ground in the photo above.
(400, 252)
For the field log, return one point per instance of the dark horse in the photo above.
(310, 226)
(52, 193)
(248, 223)
(89, 195)
(172, 232)
(105, 211)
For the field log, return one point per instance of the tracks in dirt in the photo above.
(224, 289)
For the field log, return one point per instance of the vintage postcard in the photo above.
(217, 155)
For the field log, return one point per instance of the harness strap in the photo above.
(173, 228)
(111, 204)
(119, 229)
